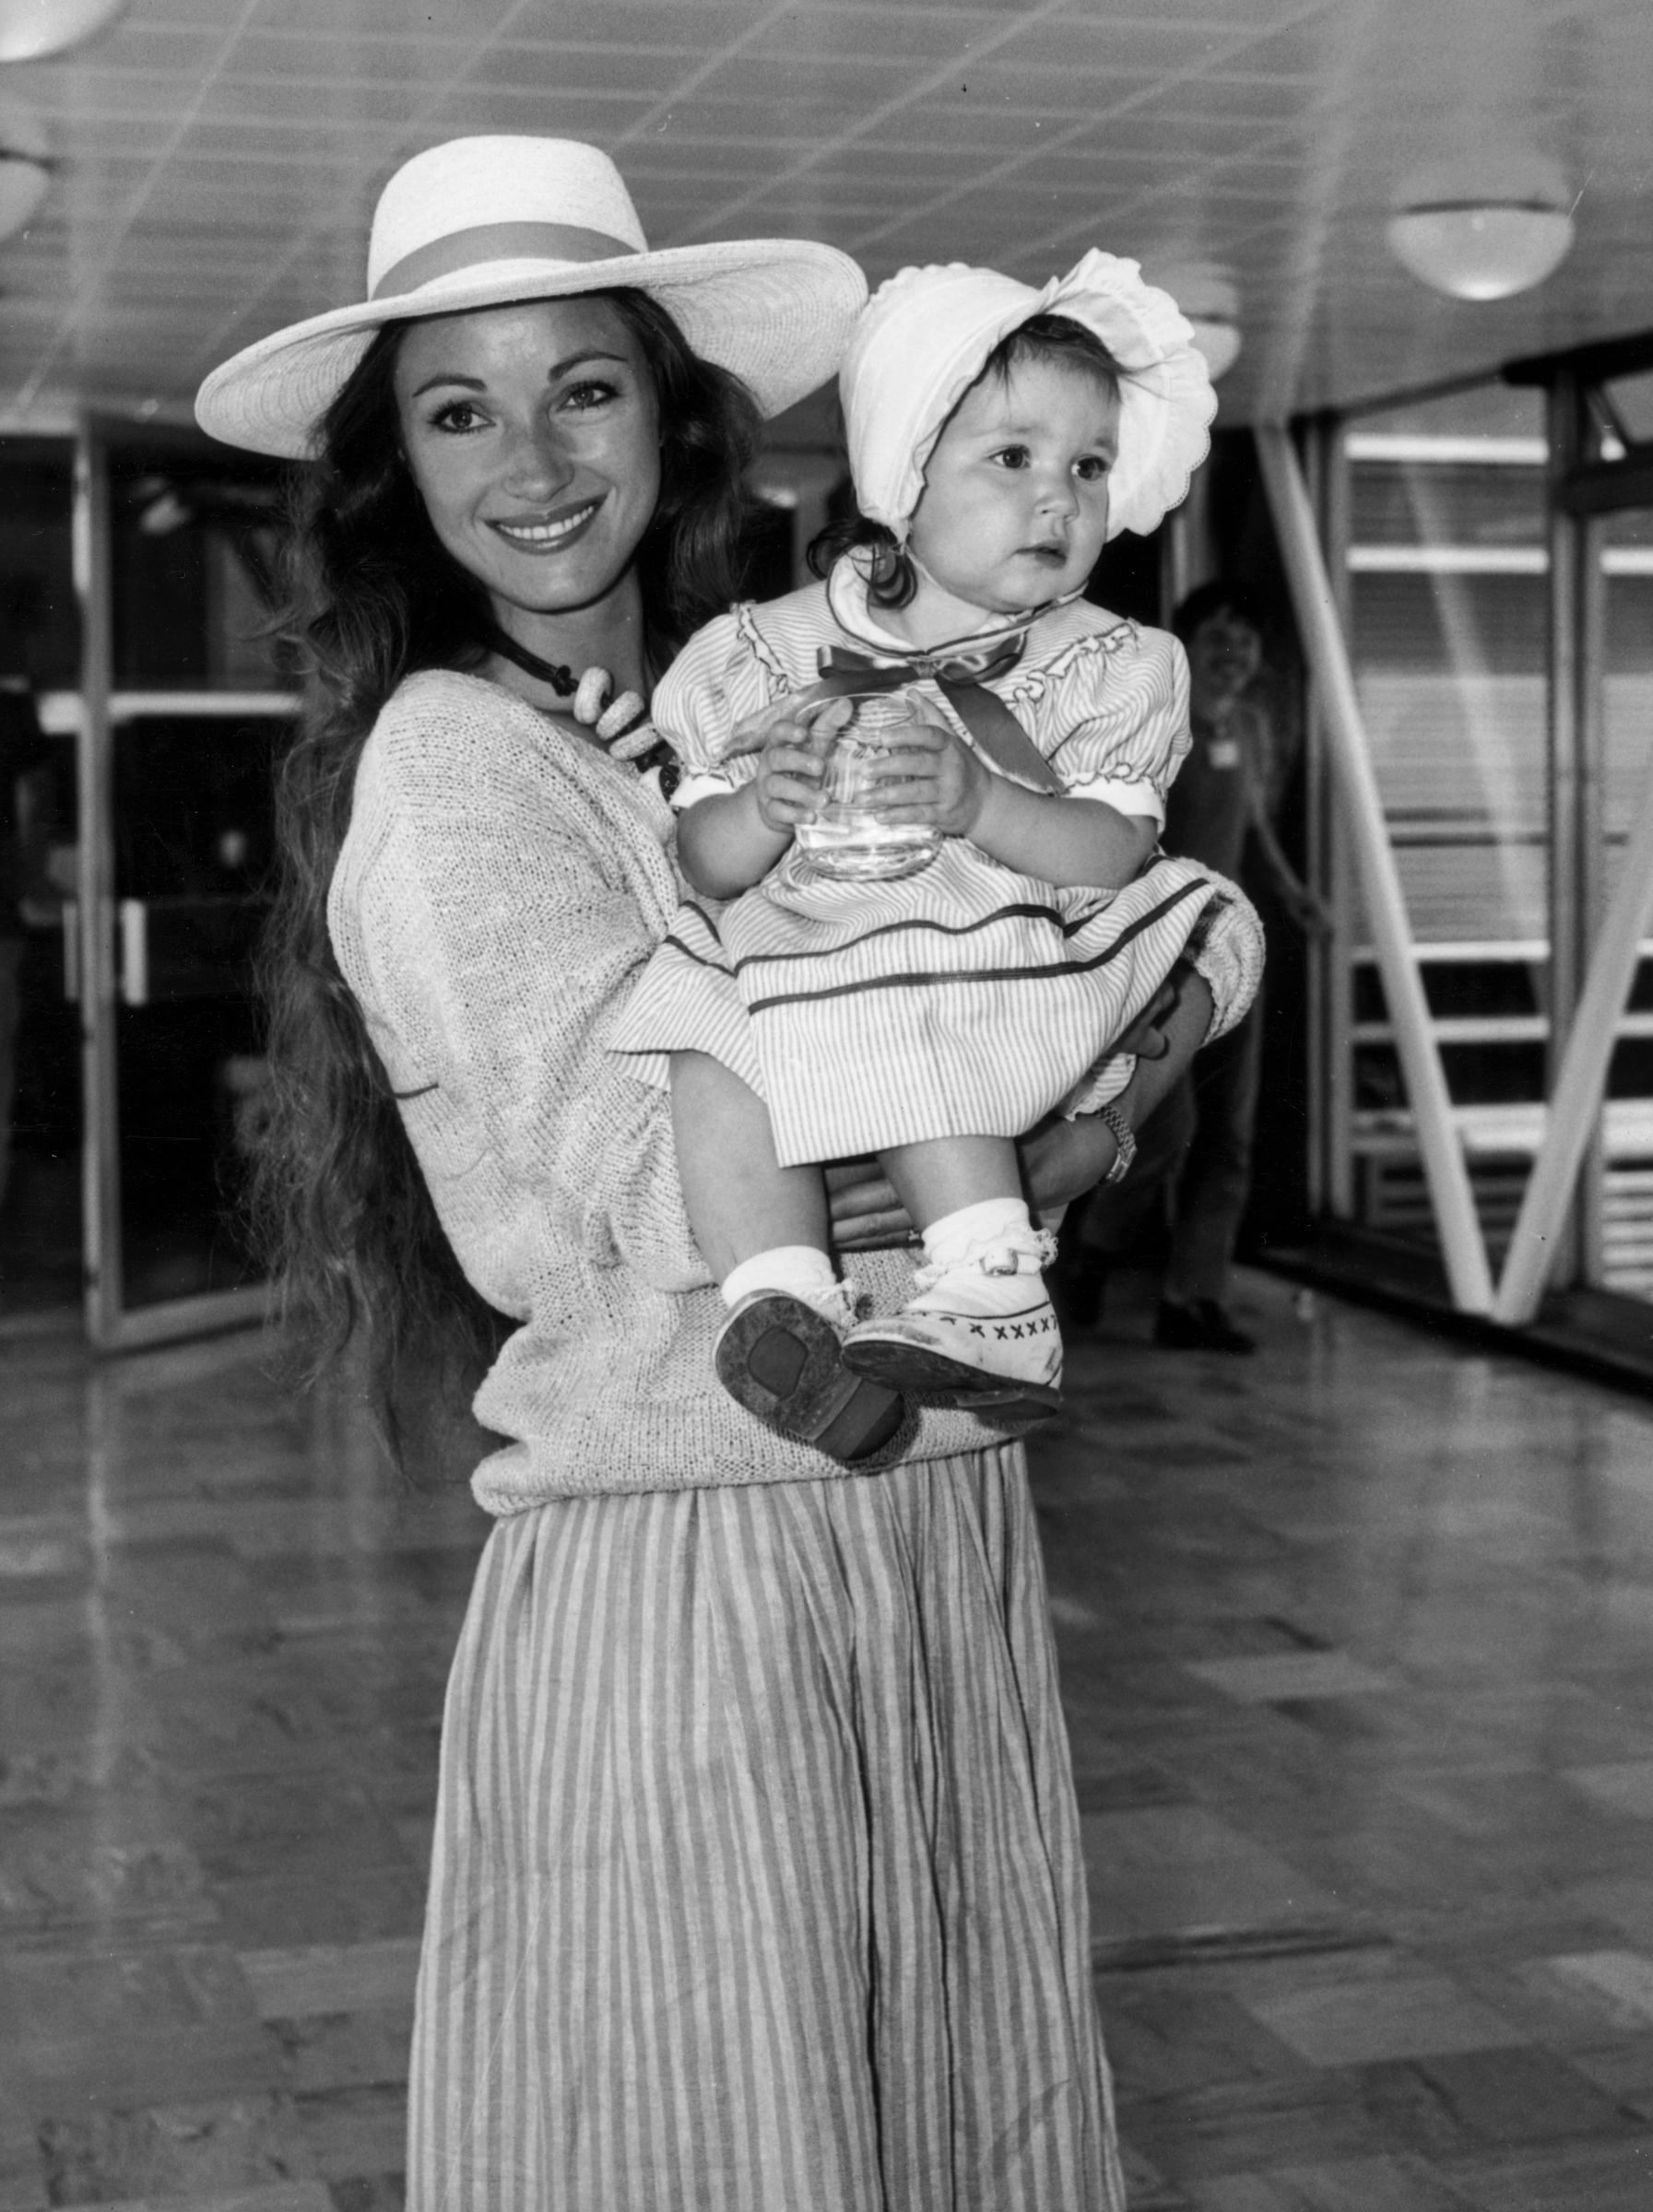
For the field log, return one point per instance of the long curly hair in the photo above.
(891, 580)
(339, 1208)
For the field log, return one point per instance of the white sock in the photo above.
(804, 1270)
(949, 1240)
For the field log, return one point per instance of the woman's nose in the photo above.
(537, 464)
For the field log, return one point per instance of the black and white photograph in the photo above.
(826, 1105)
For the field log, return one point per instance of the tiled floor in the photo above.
(1358, 1644)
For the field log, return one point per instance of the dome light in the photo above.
(24, 179)
(1208, 296)
(30, 29)
(25, 171)
(1480, 249)
(1219, 340)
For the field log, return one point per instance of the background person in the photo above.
(1195, 1156)
(756, 1876)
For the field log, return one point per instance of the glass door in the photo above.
(184, 704)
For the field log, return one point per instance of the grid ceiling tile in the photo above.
(217, 158)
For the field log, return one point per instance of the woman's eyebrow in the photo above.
(557, 369)
(578, 360)
(449, 376)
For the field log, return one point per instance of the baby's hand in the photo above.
(791, 746)
(933, 777)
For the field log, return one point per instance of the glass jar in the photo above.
(847, 840)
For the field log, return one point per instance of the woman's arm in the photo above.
(1060, 1159)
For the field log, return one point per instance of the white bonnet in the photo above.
(921, 342)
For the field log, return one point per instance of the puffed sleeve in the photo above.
(1123, 703)
(492, 935)
(716, 683)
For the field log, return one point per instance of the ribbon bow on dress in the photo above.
(959, 671)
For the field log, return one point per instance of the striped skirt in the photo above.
(968, 1000)
(757, 1883)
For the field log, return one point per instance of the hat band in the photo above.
(497, 241)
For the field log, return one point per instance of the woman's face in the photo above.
(533, 435)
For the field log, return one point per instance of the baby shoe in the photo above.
(981, 1333)
(783, 1359)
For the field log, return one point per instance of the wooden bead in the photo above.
(592, 695)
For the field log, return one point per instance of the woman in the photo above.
(756, 1878)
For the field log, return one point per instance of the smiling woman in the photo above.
(756, 1877)
(532, 434)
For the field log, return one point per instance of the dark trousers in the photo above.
(1193, 1160)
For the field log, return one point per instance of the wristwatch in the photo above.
(1124, 1140)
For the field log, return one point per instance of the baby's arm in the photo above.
(729, 839)
(1061, 840)
(936, 778)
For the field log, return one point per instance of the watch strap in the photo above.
(1124, 1140)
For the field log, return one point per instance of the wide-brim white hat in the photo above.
(483, 222)
(925, 338)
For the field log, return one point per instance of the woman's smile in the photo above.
(546, 535)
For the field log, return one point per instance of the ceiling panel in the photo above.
(216, 160)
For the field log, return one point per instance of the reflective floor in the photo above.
(1357, 1638)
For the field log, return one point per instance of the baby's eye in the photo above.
(456, 417)
(1012, 456)
(1093, 467)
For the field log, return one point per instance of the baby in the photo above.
(999, 436)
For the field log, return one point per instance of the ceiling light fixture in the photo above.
(1480, 249)
(24, 172)
(1208, 298)
(30, 29)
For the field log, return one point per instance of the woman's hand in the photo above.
(866, 1213)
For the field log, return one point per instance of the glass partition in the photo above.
(185, 702)
(41, 1131)
(1448, 583)
(1622, 1243)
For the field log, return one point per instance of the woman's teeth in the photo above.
(546, 533)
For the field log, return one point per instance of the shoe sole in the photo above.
(915, 1369)
(785, 1363)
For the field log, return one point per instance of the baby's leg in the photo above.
(945, 1173)
(761, 1228)
(740, 1201)
(981, 1330)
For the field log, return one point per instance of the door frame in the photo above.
(111, 1325)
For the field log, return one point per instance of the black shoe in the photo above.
(1202, 1326)
(784, 1361)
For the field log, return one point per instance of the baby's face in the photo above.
(1014, 509)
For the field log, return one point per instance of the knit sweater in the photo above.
(501, 887)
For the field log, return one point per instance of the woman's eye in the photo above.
(594, 391)
(457, 416)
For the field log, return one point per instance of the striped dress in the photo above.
(965, 1000)
(757, 1883)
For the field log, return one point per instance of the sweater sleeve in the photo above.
(499, 938)
(1124, 713)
